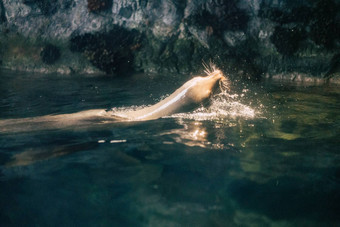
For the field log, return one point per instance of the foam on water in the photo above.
(223, 105)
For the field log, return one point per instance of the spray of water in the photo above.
(223, 106)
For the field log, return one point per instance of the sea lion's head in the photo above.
(206, 86)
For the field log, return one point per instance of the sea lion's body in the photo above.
(192, 93)
(48, 122)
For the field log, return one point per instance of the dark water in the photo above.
(270, 157)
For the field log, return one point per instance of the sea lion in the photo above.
(192, 93)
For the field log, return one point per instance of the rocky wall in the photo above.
(246, 38)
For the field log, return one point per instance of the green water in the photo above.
(266, 154)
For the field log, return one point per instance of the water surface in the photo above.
(264, 154)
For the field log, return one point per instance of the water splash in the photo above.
(223, 105)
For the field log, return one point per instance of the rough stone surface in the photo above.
(246, 38)
(111, 52)
(2, 13)
(50, 54)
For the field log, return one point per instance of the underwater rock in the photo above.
(285, 198)
(50, 54)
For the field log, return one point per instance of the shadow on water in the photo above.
(304, 182)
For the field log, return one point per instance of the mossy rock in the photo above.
(98, 5)
(147, 57)
(287, 40)
(50, 54)
(111, 52)
(184, 49)
(47, 7)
